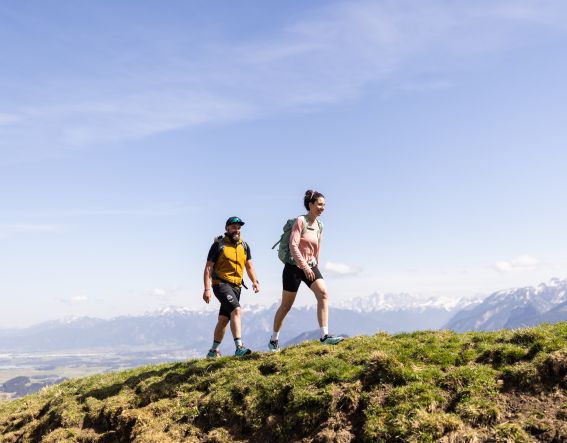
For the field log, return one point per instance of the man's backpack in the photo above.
(284, 253)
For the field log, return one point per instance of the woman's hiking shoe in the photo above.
(331, 339)
(213, 353)
(241, 351)
(274, 345)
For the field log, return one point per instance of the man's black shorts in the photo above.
(292, 277)
(229, 297)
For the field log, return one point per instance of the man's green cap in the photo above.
(234, 221)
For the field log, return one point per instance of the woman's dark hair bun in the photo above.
(310, 197)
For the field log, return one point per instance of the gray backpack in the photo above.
(284, 253)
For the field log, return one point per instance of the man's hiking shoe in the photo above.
(331, 339)
(274, 345)
(241, 351)
(213, 353)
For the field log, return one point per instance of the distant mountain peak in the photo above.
(543, 294)
(403, 301)
(172, 310)
(513, 308)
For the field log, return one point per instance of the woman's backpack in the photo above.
(284, 253)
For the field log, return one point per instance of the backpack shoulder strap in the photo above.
(304, 217)
(220, 242)
(320, 229)
(319, 224)
(246, 248)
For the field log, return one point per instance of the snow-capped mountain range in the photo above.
(176, 327)
(403, 301)
(182, 327)
(514, 308)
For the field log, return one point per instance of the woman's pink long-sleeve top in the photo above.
(305, 249)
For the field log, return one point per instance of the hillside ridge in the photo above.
(508, 385)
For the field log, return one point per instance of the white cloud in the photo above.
(8, 230)
(164, 293)
(76, 300)
(79, 299)
(158, 292)
(340, 269)
(162, 210)
(523, 263)
(330, 55)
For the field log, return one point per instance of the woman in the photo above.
(304, 246)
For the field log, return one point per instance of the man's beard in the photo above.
(233, 237)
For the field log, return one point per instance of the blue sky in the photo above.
(129, 132)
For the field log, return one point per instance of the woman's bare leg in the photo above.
(319, 288)
(287, 302)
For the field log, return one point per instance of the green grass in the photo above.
(419, 387)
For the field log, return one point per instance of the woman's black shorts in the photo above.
(229, 297)
(292, 277)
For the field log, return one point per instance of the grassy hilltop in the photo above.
(505, 386)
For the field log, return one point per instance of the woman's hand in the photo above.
(309, 274)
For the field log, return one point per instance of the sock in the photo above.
(324, 331)
(216, 344)
(275, 336)
(238, 342)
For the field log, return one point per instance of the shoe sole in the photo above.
(242, 355)
(330, 343)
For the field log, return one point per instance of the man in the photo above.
(228, 256)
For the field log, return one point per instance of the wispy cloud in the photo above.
(76, 300)
(523, 263)
(158, 292)
(331, 55)
(424, 86)
(9, 119)
(164, 293)
(340, 269)
(8, 230)
(45, 129)
(150, 211)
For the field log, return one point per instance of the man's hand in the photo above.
(309, 274)
(252, 275)
(207, 281)
(207, 295)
